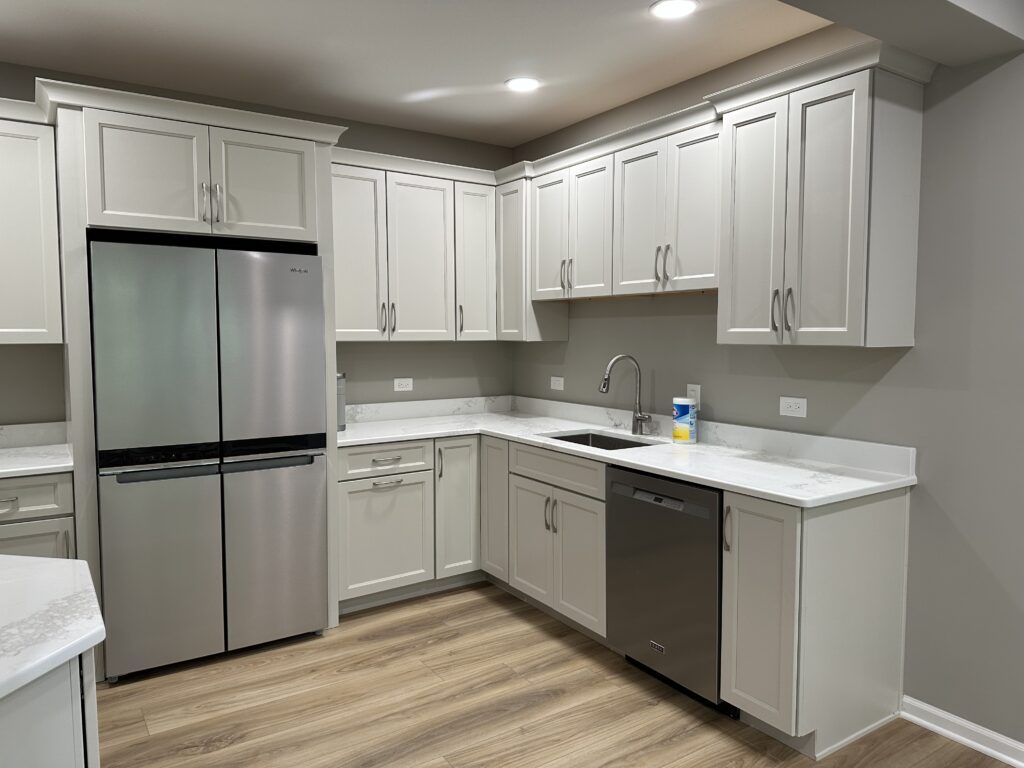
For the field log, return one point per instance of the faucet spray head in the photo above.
(603, 389)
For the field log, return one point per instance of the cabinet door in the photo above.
(753, 224)
(360, 254)
(760, 583)
(530, 546)
(511, 241)
(826, 212)
(457, 506)
(589, 271)
(494, 506)
(147, 173)
(639, 217)
(29, 257)
(578, 525)
(690, 259)
(549, 236)
(39, 538)
(41, 722)
(474, 261)
(387, 533)
(264, 186)
(421, 258)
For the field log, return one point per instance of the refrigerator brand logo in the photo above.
(299, 270)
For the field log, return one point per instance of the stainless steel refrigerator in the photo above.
(210, 434)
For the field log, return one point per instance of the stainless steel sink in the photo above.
(601, 440)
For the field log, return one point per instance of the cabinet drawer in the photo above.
(560, 469)
(38, 538)
(385, 459)
(29, 498)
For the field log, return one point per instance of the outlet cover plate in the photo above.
(558, 383)
(693, 391)
(793, 406)
(403, 385)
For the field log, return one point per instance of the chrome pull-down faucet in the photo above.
(639, 417)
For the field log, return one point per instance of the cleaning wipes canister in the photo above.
(684, 420)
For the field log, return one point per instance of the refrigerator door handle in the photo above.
(257, 465)
(152, 473)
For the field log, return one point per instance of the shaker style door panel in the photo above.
(578, 524)
(690, 259)
(511, 241)
(474, 262)
(753, 224)
(457, 506)
(30, 308)
(147, 173)
(39, 538)
(549, 233)
(360, 254)
(827, 212)
(639, 225)
(494, 479)
(531, 545)
(589, 269)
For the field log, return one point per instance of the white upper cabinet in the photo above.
(474, 262)
(753, 231)
(589, 269)
(147, 173)
(639, 227)
(690, 259)
(152, 173)
(549, 236)
(29, 257)
(518, 317)
(820, 215)
(421, 258)
(263, 186)
(827, 208)
(360, 254)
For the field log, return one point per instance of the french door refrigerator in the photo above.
(210, 394)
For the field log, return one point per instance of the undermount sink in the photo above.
(601, 440)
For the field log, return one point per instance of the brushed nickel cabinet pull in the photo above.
(440, 463)
(775, 301)
(726, 545)
(547, 503)
(664, 263)
(568, 274)
(205, 187)
(554, 517)
(385, 459)
(561, 274)
(383, 318)
(385, 483)
(67, 544)
(394, 317)
(462, 318)
(218, 198)
(657, 253)
(785, 308)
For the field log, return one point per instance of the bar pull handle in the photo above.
(775, 301)
(218, 198)
(386, 483)
(568, 274)
(554, 516)
(13, 501)
(383, 318)
(726, 527)
(67, 544)
(385, 459)
(561, 274)
(440, 463)
(547, 503)
(205, 187)
(394, 317)
(462, 318)
(785, 308)
(664, 262)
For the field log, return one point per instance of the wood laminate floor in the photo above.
(467, 678)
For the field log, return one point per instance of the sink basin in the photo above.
(601, 440)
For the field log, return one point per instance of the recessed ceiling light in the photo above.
(522, 84)
(673, 9)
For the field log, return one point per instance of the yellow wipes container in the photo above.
(684, 420)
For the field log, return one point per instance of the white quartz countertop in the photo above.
(35, 460)
(48, 615)
(800, 482)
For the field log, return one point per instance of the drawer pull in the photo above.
(384, 483)
(13, 501)
(385, 459)
(67, 544)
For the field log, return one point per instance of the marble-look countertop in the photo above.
(799, 482)
(35, 460)
(48, 615)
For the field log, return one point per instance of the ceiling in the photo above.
(429, 65)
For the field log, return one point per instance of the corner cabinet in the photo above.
(30, 294)
(820, 213)
(152, 173)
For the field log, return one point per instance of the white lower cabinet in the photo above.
(457, 506)
(494, 507)
(41, 723)
(557, 550)
(53, 537)
(387, 533)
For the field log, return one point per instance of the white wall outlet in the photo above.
(403, 385)
(558, 383)
(693, 391)
(793, 406)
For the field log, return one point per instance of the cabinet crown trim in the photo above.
(51, 94)
(21, 111)
(871, 54)
(395, 163)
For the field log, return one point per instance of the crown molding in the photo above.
(21, 111)
(872, 54)
(51, 94)
(363, 159)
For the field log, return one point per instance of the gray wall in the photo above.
(956, 396)
(31, 383)
(439, 369)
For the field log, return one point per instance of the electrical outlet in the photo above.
(793, 406)
(403, 385)
(558, 383)
(693, 391)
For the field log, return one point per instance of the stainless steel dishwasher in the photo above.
(664, 577)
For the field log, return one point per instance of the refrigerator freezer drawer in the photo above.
(163, 589)
(275, 529)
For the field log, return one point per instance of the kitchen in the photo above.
(854, 398)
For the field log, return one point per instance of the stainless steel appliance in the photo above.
(664, 576)
(210, 400)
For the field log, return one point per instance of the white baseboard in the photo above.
(963, 731)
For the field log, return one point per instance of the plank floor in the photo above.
(468, 678)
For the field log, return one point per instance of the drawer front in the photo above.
(560, 469)
(385, 459)
(30, 498)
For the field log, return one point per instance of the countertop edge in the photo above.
(41, 666)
